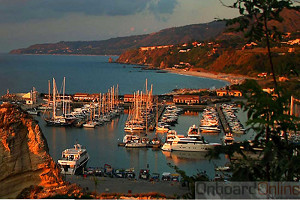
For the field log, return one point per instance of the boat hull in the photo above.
(193, 147)
(73, 171)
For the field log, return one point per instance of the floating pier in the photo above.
(223, 120)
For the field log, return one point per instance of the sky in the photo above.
(27, 22)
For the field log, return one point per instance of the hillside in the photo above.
(117, 46)
(227, 53)
(209, 58)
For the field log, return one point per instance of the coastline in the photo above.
(230, 78)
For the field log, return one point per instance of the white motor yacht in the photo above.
(74, 160)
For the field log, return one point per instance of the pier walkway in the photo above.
(223, 120)
(161, 109)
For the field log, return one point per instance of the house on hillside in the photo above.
(221, 93)
(249, 46)
(235, 93)
(231, 93)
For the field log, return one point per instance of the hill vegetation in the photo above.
(116, 46)
(229, 52)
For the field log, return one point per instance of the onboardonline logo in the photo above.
(247, 190)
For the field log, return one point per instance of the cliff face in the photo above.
(24, 158)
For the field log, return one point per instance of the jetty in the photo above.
(224, 123)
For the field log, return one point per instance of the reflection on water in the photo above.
(189, 112)
(102, 145)
(183, 156)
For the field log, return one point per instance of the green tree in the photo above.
(268, 114)
(190, 181)
(279, 158)
(255, 15)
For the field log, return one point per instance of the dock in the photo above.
(160, 111)
(223, 120)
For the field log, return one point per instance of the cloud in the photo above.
(25, 10)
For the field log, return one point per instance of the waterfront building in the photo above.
(81, 97)
(221, 93)
(231, 93)
(186, 99)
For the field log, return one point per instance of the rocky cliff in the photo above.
(24, 158)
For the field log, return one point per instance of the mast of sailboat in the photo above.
(54, 99)
(113, 97)
(63, 103)
(292, 106)
(49, 93)
(146, 86)
(99, 106)
(156, 123)
(117, 95)
(69, 109)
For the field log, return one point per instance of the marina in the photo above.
(101, 141)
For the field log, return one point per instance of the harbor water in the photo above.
(93, 74)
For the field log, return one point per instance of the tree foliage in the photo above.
(190, 181)
(254, 21)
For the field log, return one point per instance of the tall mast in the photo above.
(99, 105)
(54, 99)
(63, 105)
(49, 92)
(292, 106)
(117, 95)
(69, 104)
(146, 86)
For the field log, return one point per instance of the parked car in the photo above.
(108, 170)
(154, 177)
(129, 173)
(119, 173)
(166, 176)
(175, 177)
(144, 174)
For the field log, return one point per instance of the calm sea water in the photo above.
(89, 74)
(93, 74)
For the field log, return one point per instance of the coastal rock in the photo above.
(24, 157)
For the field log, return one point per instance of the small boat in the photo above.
(33, 111)
(228, 139)
(89, 124)
(222, 168)
(74, 160)
(129, 137)
(136, 144)
(193, 131)
(162, 129)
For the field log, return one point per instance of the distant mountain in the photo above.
(169, 36)
(118, 45)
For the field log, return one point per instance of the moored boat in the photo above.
(228, 139)
(74, 160)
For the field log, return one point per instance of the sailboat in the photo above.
(90, 123)
(56, 120)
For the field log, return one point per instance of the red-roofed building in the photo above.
(186, 99)
(81, 97)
